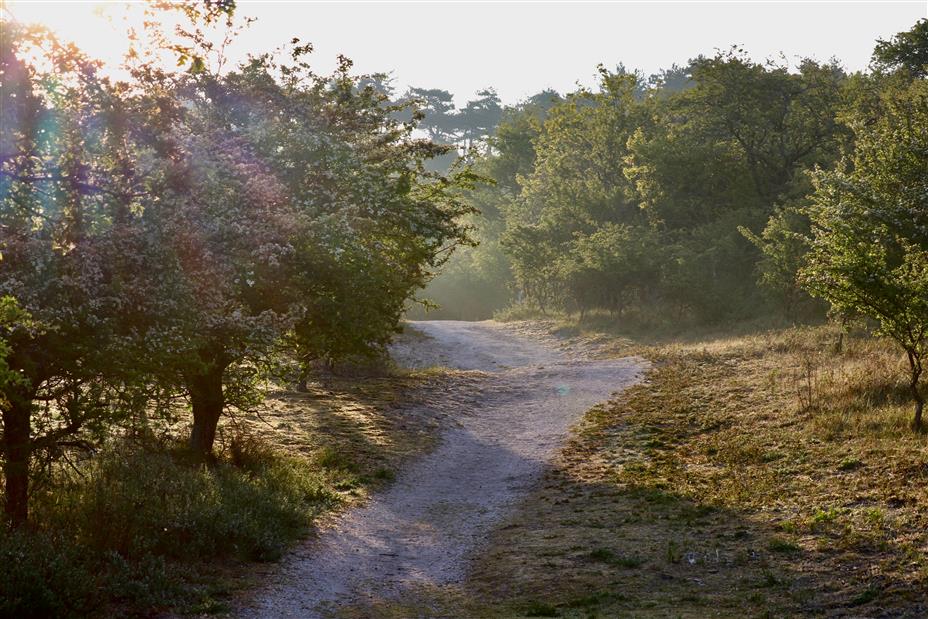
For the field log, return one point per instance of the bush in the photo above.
(154, 503)
(44, 576)
(138, 523)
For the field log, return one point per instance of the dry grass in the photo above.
(367, 426)
(765, 475)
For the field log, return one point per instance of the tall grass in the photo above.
(133, 527)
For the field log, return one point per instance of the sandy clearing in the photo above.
(424, 528)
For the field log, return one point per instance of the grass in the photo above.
(758, 474)
(768, 474)
(138, 528)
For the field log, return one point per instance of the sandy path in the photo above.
(425, 526)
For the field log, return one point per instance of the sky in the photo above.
(522, 47)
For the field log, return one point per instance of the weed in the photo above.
(824, 517)
(849, 464)
(332, 458)
(674, 553)
(874, 516)
(383, 474)
(869, 594)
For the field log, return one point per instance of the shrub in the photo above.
(43, 575)
(135, 526)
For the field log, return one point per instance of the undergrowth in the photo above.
(130, 529)
(138, 528)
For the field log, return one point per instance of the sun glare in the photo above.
(104, 31)
(97, 28)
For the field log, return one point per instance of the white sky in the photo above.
(522, 47)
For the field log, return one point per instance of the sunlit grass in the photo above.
(773, 472)
(140, 526)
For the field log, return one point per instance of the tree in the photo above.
(783, 245)
(779, 122)
(906, 52)
(577, 183)
(225, 224)
(610, 268)
(725, 154)
(869, 246)
(71, 242)
(438, 108)
(369, 214)
(165, 235)
(478, 280)
(478, 119)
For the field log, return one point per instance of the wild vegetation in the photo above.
(168, 237)
(182, 249)
(173, 245)
(723, 190)
(767, 473)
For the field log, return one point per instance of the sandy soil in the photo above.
(423, 529)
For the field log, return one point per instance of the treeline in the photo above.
(180, 236)
(684, 197)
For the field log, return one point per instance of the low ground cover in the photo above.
(138, 527)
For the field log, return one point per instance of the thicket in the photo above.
(682, 197)
(173, 240)
(722, 190)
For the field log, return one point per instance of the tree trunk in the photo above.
(17, 451)
(207, 401)
(915, 365)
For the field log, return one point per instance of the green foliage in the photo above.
(784, 245)
(155, 505)
(906, 52)
(163, 517)
(41, 576)
(173, 234)
(478, 280)
(869, 253)
(634, 196)
(12, 317)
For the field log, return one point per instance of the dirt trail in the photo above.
(423, 529)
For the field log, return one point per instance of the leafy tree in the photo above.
(723, 155)
(577, 182)
(611, 268)
(166, 235)
(225, 223)
(286, 194)
(778, 122)
(478, 280)
(439, 119)
(869, 247)
(675, 79)
(906, 52)
(478, 119)
(783, 245)
(71, 244)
